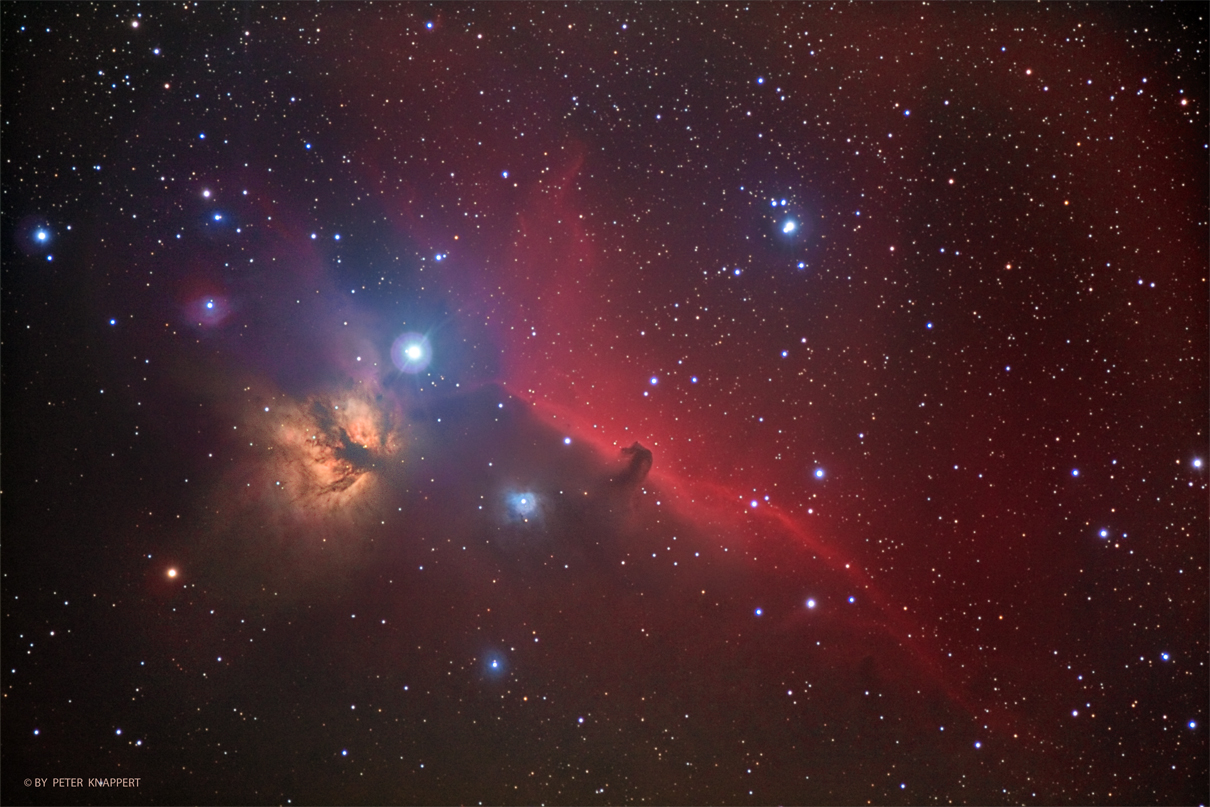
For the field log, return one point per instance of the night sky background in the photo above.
(596, 404)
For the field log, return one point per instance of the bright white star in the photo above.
(411, 352)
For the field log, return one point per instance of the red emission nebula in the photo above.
(599, 404)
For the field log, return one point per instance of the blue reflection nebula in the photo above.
(523, 505)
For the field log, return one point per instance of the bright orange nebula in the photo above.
(323, 456)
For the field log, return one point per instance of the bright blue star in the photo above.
(789, 227)
(523, 505)
(1164, 656)
(344, 752)
(928, 325)
(819, 474)
(1197, 462)
(759, 611)
(1075, 471)
(494, 664)
(218, 216)
(810, 603)
(1192, 724)
(41, 236)
(411, 352)
(907, 112)
(760, 79)
(113, 322)
(428, 25)
(202, 136)
(852, 599)
(737, 271)
(337, 236)
(654, 380)
(307, 146)
(753, 504)
(801, 266)
(566, 441)
(693, 380)
(210, 304)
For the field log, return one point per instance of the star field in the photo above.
(596, 404)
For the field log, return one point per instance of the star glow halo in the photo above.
(411, 352)
(209, 310)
